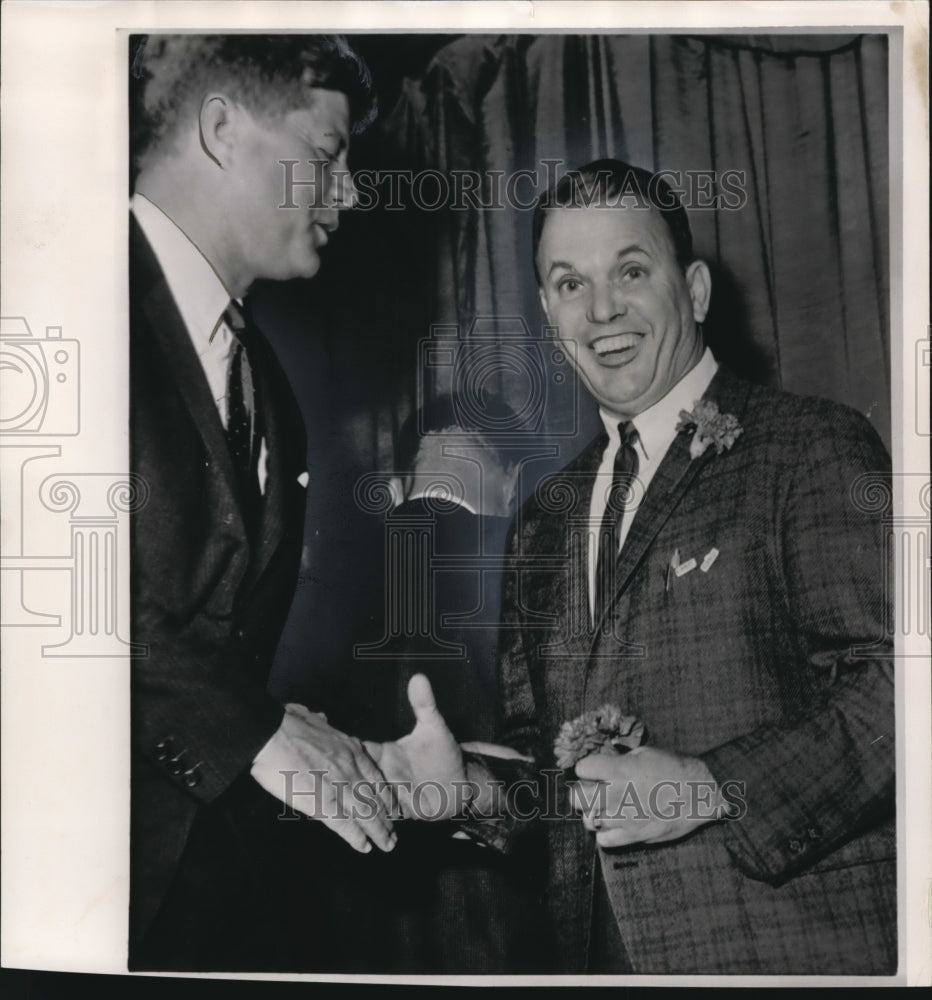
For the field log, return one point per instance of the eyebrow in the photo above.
(567, 266)
(342, 142)
(311, 140)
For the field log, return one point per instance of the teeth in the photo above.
(617, 342)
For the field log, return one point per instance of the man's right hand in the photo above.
(345, 790)
(426, 767)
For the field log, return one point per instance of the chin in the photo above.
(618, 398)
(305, 268)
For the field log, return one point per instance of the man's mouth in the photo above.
(616, 347)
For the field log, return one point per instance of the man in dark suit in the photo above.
(464, 909)
(737, 608)
(241, 155)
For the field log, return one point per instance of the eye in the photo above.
(321, 155)
(635, 271)
(569, 285)
(324, 153)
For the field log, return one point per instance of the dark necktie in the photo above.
(244, 426)
(624, 473)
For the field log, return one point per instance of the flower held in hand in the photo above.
(603, 730)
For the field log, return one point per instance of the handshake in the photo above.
(646, 795)
(357, 787)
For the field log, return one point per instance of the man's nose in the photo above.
(343, 193)
(605, 303)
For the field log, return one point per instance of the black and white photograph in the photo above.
(492, 517)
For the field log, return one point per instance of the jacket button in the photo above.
(191, 778)
(796, 846)
(585, 873)
(164, 749)
(177, 764)
(814, 833)
(240, 634)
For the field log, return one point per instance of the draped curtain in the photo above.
(797, 125)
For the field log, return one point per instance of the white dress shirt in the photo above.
(201, 298)
(656, 428)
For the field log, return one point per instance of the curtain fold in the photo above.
(798, 124)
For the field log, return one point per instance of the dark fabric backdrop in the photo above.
(800, 270)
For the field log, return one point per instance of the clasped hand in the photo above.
(356, 787)
(329, 776)
(426, 769)
(645, 796)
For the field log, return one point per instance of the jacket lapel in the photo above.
(671, 480)
(570, 587)
(167, 327)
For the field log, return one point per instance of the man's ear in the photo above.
(699, 282)
(543, 302)
(215, 126)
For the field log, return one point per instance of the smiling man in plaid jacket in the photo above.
(737, 610)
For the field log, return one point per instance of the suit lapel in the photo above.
(167, 327)
(570, 587)
(169, 330)
(670, 482)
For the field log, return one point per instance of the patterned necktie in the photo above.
(624, 473)
(244, 427)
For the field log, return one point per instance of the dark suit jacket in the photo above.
(208, 609)
(435, 905)
(752, 666)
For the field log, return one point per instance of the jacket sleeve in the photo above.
(803, 788)
(199, 713)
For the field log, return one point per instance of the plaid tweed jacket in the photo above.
(771, 664)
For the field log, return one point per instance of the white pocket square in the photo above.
(708, 559)
(680, 568)
(303, 478)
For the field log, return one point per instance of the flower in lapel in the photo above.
(709, 427)
(603, 730)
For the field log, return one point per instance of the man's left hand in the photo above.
(646, 796)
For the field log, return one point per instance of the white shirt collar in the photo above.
(199, 293)
(656, 426)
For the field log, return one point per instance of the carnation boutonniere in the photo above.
(603, 730)
(709, 427)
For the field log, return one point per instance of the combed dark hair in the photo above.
(613, 184)
(441, 414)
(266, 73)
